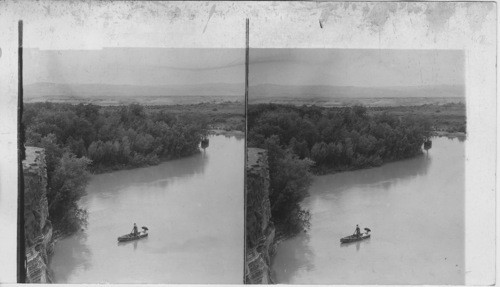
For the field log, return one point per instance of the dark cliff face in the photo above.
(260, 231)
(38, 229)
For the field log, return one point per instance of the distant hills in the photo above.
(305, 92)
(258, 93)
(41, 91)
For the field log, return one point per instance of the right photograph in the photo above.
(355, 170)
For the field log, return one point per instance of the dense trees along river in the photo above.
(323, 140)
(79, 138)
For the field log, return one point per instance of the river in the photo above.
(193, 208)
(415, 209)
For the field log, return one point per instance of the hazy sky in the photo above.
(163, 66)
(135, 66)
(349, 67)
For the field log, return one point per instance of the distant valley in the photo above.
(104, 94)
(349, 95)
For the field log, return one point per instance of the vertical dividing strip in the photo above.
(21, 254)
(247, 54)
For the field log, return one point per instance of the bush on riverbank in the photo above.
(79, 138)
(67, 187)
(289, 183)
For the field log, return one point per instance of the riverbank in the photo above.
(324, 140)
(460, 135)
(105, 139)
(279, 238)
(59, 234)
(213, 132)
(422, 196)
(235, 133)
(445, 119)
(188, 204)
(326, 171)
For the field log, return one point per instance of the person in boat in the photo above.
(358, 231)
(134, 230)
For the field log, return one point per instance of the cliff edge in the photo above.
(37, 226)
(260, 231)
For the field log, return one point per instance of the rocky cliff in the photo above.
(260, 231)
(37, 226)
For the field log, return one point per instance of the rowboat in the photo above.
(131, 236)
(352, 238)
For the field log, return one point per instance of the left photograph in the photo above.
(134, 165)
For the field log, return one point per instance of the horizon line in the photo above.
(254, 85)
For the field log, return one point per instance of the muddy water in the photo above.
(415, 209)
(193, 208)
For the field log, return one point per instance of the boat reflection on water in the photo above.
(133, 242)
(356, 243)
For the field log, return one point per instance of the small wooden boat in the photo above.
(131, 236)
(352, 238)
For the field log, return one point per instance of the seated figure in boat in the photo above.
(358, 231)
(134, 230)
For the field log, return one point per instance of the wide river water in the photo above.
(415, 209)
(193, 208)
